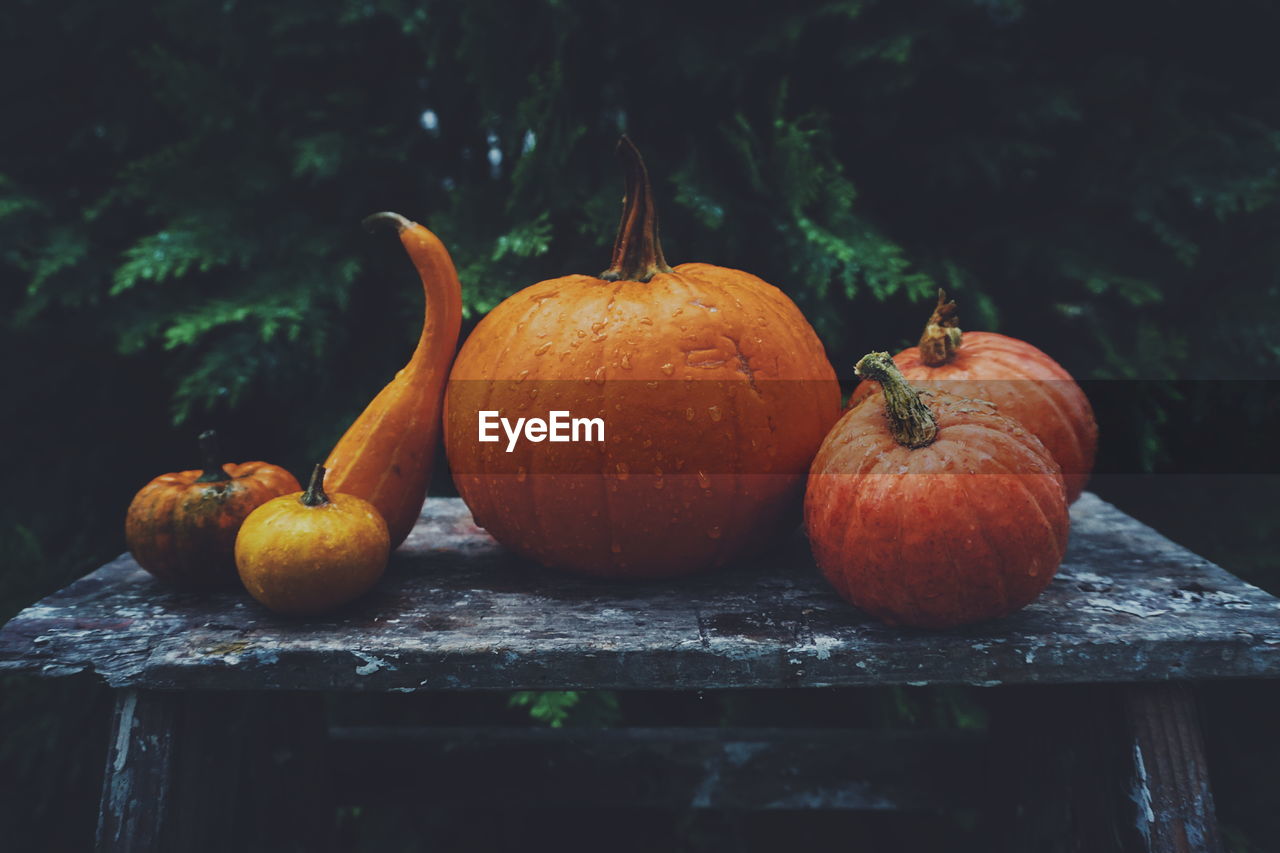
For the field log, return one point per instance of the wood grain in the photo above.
(456, 611)
(1171, 800)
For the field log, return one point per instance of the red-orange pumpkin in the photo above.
(1022, 381)
(182, 526)
(713, 389)
(932, 510)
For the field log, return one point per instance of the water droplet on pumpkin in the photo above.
(703, 480)
(581, 333)
(689, 414)
(599, 377)
(522, 375)
(542, 350)
(598, 325)
(668, 368)
(714, 412)
(624, 471)
(646, 321)
(626, 361)
(714, 533)
(762, 321)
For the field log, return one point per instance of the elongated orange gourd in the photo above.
(385, 456)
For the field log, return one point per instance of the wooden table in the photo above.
(1130, 613)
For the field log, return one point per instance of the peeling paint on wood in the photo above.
(1169, 779)
(456, 611)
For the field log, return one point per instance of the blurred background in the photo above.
(181, 187)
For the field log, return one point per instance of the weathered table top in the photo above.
(456, 611)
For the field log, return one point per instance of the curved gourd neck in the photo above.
(441, 290)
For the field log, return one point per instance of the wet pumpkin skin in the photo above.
(183, 530)
(969, 527)
(308, 552)
(1020, 379)
(714, 389)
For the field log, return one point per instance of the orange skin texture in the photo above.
(715, 392)
(386, 455)
(304, 560)
(184, 532)
(969, 528)
(1025, 383)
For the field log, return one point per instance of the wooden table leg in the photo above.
(137, 788)
(1172, 801)
(215, 771)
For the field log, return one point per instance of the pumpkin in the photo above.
(181, 527)
(713, 391)
(386, 455)
(928, 509)
(310, 552)
(1022, 381)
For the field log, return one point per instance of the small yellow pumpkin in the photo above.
(309, 552)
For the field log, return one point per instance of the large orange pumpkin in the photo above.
(713, 390)
(1021, 380)
(932, 510)
(181, 526)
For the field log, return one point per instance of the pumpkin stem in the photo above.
(314, 495)
(637, 252)
(213, 471)
(942, 334)
(910, 420)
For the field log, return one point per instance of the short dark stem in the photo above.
(213, 471)
(385, 219)
(314, 495)
(637, 252)
(941, 337)
(910, 420)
